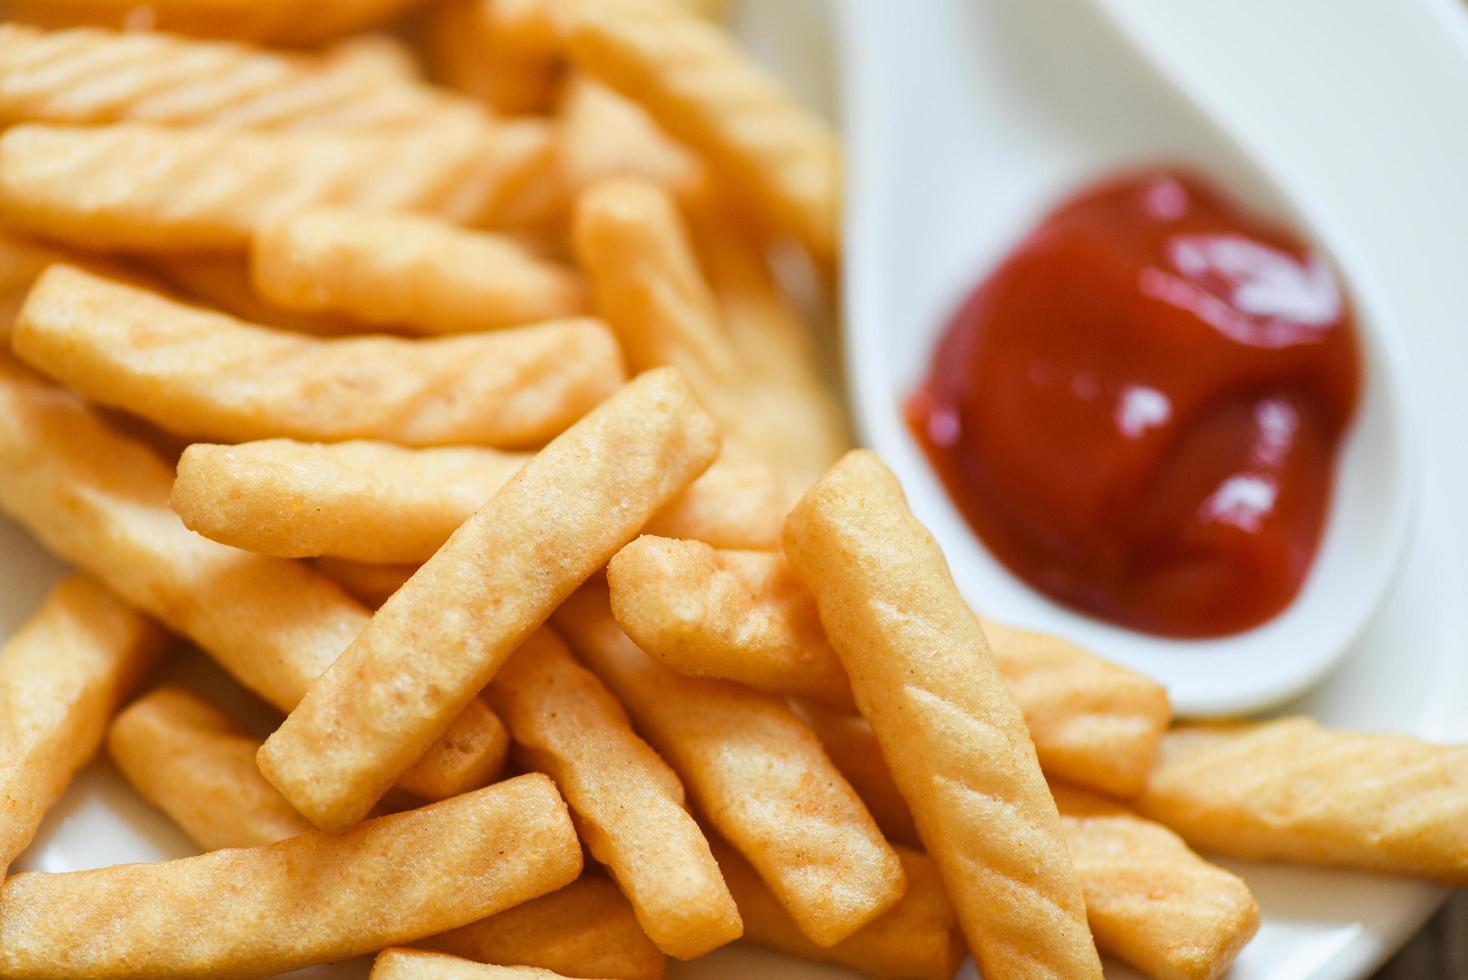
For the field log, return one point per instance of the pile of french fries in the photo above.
(470, 426)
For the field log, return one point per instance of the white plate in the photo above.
(1410, 672)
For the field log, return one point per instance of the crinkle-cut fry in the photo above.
(947, 724)
(21, 263)
(586, 929)
(141, 188)
(223, 282)
(704, 90)
(381, 503)
(849, 741)
(62, 674)
(380, 55)
(408, 272)
(917, 938)
(440, 638)
(206, 374)
(1291, 790)
(755, 772)
(627, 803)
(745, 617)
(262, 21)
(417, 964)
(1150, 900)
(309, 899)
(605, 134)
(192, 761)
(91, 76)
(505, 53)
(369, 583)
(100, 500)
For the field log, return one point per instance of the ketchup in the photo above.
(1139, 411)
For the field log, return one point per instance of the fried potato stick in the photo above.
(440, 638)
(223, 282)
(704, 90)
(416, 964)
(380, 55)
(505, 53)
(848, 740)
(1291, 790)
(407, 272)
(201, 373)
(745, 617)
(1150, 900)
(149, 189)
(368, 583)
(310, 899)
(917, 938)
(193, 762)
(100, 500)
(263, 21)
(377, 502)
(755, 772)
(948, 726)
(605, 134)
(586, 929)
(62, 674)
(627, 803)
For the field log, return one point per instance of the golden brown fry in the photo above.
(918, 938)
(370, 584)
(264, 21)
(505, 53)
(100, 500)
(90, 76)
(1290, 790)
(605, 134)
(849, 741)
(735, 501)
(21, 263)
(442, 636)
(416, 964)
(627, 803)
(202, 373)
(707, 92)
(191, 760)
(586, 929)
(223, 282)
(135, 187)
(310, 899)
(756, 772)
(407, 272)
(382, 55)
(947, 724)
(62, 674)
(1150, 900)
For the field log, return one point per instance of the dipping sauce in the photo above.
(1139, 411)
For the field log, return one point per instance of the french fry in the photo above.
(586, 929)
(745, 617)
(149, 189)
(441, 637)
(381, 55)
(310, 899)
(755, 772)
(849, 741)
(1291, 790)
(368, 583)
(190, 760)
(627, 803)
(708, 93)
(201, 373)
(264, 21)
(223, 282)
(505, 53)
(948, 726)
(406, 272)
(416, 964)
(376, 502)
(1150, 900)
(917, 938)
(21, 263)
(100, 500)
(604, 134)
(91, 76)
(62, 674)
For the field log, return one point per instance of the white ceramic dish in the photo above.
(1408, 672)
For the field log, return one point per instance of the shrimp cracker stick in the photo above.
(755, 772)
(310, 899)
(586, 929)
(627, 803)
(415, 964)
(263, 21)
(142, 188)
(408, 272)
(62, 674)
(948, 726)
(1150, 900)
(191, 760)
(743, 616)
(704, 90)
(848, 740)
(917, 938)
(100, 500)
(198, 372)
(441, 637)
(1290, 790)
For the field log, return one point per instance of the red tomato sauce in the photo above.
(1139, 411)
